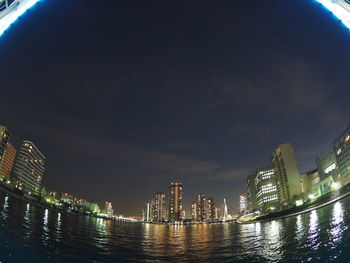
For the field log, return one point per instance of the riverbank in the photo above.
(320, 202)
(39, 203)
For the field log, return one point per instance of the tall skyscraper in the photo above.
(265, 184)
(4, 138)
(342, 154)
(211, 210)
(243, 202)
(175, 201)
(201, 207)
(159, 209)
(6, 162)
(29, 168)
(287, 176)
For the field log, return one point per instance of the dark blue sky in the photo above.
(125, 96)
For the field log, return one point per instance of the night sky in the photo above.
(125, 96)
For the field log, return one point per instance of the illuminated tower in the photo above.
(29, 168)
(175, 201)
(159, 209)
(6, 162)
(211, 211)
(200, 207)
(265, 185)
(243, 201)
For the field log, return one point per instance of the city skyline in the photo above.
(132, 107)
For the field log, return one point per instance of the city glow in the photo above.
(338, 11)
(15, 10)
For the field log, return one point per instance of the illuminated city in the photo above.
(160, 131)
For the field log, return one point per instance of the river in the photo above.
(33, 234)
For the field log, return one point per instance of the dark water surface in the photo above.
(33, 234)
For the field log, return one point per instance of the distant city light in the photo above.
(10, 14)
(339, 11)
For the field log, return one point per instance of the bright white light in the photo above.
(311, 196)
(338, 11)
(336, 185)
(17, 9)
(330, 168)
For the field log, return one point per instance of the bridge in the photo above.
(11, 10)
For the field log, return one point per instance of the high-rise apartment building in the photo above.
(194, 210)
(211, 210)
(201, 207)
(175, 202)
(287, 176)
(342, 154)
(6, 162)
(267, 196)
(29, 168)
(159, 209)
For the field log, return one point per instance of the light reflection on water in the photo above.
(27, 222)
(313, 230)
(46, 230)
(317, 236)
(337, 224)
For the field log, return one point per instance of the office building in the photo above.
(29, 168)
(159, 209)
(308, 180)
(252, 201)
(6, 162)
(175, 202)
(341, 148)
(211, 210)
(327, 164)
(267, 196)
(286, 173)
